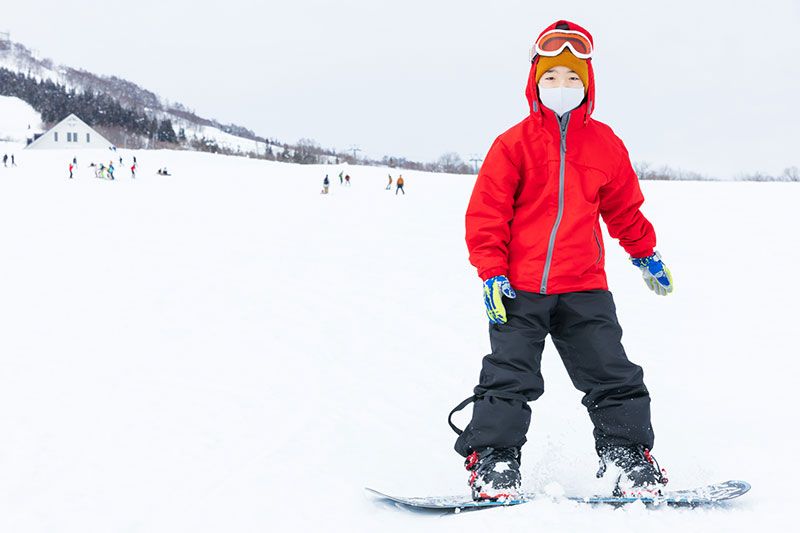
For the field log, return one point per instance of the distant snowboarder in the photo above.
(133, 171)
(341, 178)
(111, 169)
(400, 183)
(556, 262)
(5, 160)
(13, 161)
(70, 170)
(389, 185)
(326, 183)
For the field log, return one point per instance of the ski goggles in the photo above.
(553, 43)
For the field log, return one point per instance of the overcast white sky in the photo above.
(705, 86)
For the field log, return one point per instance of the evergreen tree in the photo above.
(166, 133)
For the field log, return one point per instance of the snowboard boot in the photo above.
(494, 474)
(637, 472)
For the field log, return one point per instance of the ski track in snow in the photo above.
(226, 349)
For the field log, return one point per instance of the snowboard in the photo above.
(708, 495)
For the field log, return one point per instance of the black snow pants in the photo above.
(587, 335)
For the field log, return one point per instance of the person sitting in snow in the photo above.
(533, 233)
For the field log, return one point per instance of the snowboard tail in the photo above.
(707, 495)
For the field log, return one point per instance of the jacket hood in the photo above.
(532, 92)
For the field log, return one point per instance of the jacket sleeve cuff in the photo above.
(492, 272)
(640, 254)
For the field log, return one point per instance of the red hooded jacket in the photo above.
(535, 218)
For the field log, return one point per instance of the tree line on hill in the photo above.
(54, 102)
(645, 171)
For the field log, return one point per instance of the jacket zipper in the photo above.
(562, 126)
(599, 248)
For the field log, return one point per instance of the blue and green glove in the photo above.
(655, 273)
(493, 291)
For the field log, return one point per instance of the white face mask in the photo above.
(561, 99)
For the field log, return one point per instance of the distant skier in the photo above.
(70, 170)
(389, 185)
(347, 179)
(133, 171)
(13, 161)
(536, 227)
(5, 160)
(111, 169)
(75, 161)
(400, 183)
(341, 179)
(326, 183)
(120, 161)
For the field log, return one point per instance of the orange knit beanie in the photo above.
(564, 59)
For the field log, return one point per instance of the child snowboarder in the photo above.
(400, 183)
(533, 224)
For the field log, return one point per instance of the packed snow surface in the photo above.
(226, 349)
(18, 120)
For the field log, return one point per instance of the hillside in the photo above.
(17, 58)
(133, 117)
(19, 120)
(228, 350)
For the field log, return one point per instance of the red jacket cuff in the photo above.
(492, 272)
(639, 254)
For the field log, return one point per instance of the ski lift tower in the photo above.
(475, 160)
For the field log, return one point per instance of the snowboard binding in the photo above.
(494, 474)
(638, 473)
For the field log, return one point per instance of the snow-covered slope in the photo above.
(18, 120)
(22, 60)
(226, 349)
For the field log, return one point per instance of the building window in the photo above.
(55, 134)
(74, 136)
(88, 137)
